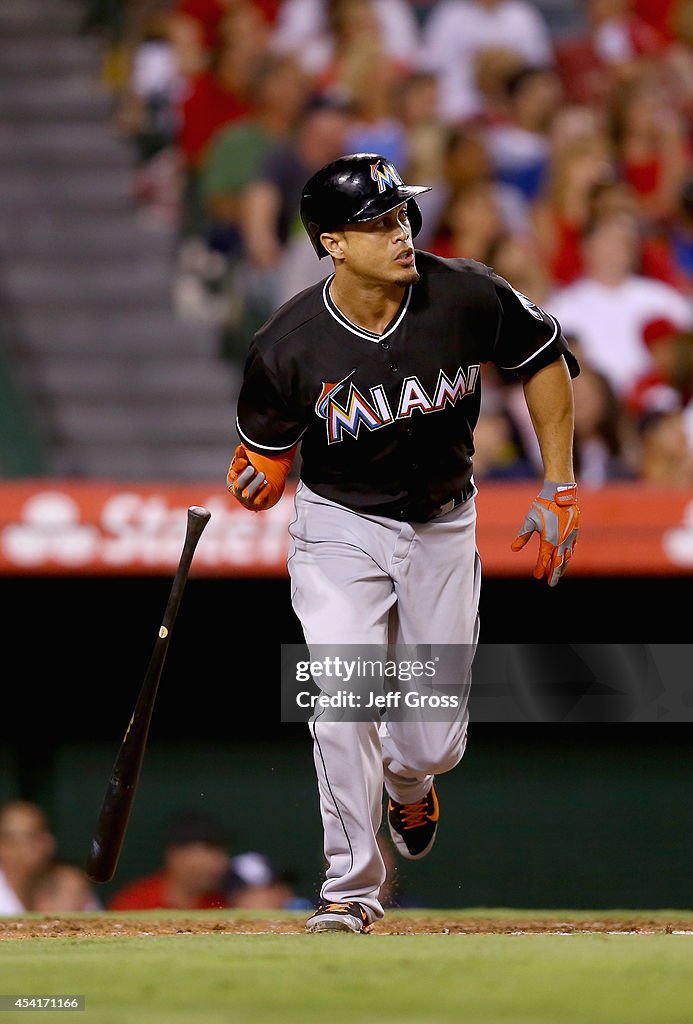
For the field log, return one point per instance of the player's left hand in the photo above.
(555, 516)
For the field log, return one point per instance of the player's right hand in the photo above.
(555, 516)
(246, 482)
(257, 481)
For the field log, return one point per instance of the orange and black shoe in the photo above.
(413, 827)
(338, 917)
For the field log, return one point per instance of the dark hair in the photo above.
(686, 197)
(47, 876)
(651, 418)
(515, 81)
(268, 65)
(598, 220)
(460, 135)
(196, 827)
(612, 421)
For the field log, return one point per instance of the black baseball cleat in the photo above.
(413, 827)
(338, 917)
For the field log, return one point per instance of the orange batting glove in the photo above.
(256, 480)
(554, 515)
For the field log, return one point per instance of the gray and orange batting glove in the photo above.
(554, 515)
(257, 481)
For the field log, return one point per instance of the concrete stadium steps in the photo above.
(58, 146)
(121, 386)
(55, 54)
(71, 282)
(42, 19)
(41, 234)
(63, 98)
(179, 378)
(139, 331)
(74, 188)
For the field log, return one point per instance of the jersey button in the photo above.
(394, 367)
(414, 465)
(385, 346)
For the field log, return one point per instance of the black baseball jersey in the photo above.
(386, 421)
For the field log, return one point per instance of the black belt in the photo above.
(465, 494)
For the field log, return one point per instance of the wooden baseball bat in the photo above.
(113, 818)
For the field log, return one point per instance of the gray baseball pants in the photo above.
(366, 580)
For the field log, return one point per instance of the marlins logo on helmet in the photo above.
(384, 175)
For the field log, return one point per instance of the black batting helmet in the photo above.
(354, 189)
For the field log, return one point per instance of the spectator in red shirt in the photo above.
(668, 385)
(650, 145)
(585, 189)
(620, 37)
(196, 862)
(658, 14)
(220, 95)
(564, 208)
(215, 99)
(197, 28)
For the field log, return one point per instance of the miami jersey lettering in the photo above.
(345, 420)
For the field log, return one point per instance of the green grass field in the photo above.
(384, 979)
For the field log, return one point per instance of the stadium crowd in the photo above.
(33, 876)
(198, 871)
(561, 158)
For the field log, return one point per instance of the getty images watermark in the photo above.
(357, 683)
(491, 682)
(374, 670)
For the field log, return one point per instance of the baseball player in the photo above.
(375, 373)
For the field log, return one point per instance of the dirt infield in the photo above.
(400, 924)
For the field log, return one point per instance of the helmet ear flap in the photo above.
(314, 231)
(414, 215)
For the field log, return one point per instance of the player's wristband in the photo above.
(561, 494)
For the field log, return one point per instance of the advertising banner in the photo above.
(64, 527)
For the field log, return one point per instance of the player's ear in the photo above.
(333, 243)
